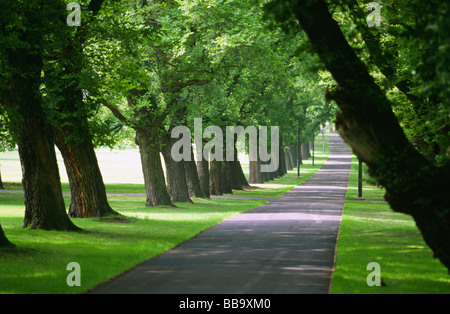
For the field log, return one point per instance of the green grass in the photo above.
(107, 247)
(372, 232)
(369, 191)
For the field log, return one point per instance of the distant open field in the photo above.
(117, 166)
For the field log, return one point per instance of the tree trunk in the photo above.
(292, 155)
(44, 203)
(267, 176)
(1, 182)
(203, 176)
(287, 160)
(308, 149)
(303, 151)
(238, 180)
(88, 193)
(175, 172)
(226, 172)
(4, 242)
(215, 178)
(226, 177)
(367, 123)
(282, 161)
(255, 175)
(237, 176)
(192, 178)
(155, 185)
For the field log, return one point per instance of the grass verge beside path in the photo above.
(106, 247)
(372, 232)
(110, 246)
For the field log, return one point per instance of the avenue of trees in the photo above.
(132, 71)
(138, 69)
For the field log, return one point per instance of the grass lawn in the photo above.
(108, 247)
(372, 232)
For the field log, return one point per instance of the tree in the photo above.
(175, 169)
(367, 123)
(68, 92)
(391, 58)
(169, 48)
(22, 41)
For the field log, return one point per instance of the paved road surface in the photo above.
(286, 246)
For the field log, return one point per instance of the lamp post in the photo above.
(360, 197)
(314, 135)
(323, 139)
(298, 153)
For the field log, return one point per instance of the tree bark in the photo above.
(237, 176)
(203, 176)
(367, 123)
(4, 242)
(308, 149)
(292, 155)
(282, 167)
(175, 172)
(88, 192)
(192, 178)
(226, 172)
(266, 176)
(155, 185)
(238, 180)
(215, 178)
(255, 175)
(287, 160)
(227, 178)
(44, 203)
(303, 151)
(2, 187)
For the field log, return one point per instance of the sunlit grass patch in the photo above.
(372, 232)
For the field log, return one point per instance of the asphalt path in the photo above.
(286, 246)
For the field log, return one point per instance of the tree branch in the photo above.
(115, 111)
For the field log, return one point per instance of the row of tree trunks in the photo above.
(226, 176)
(287, 161)
(185, 179)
